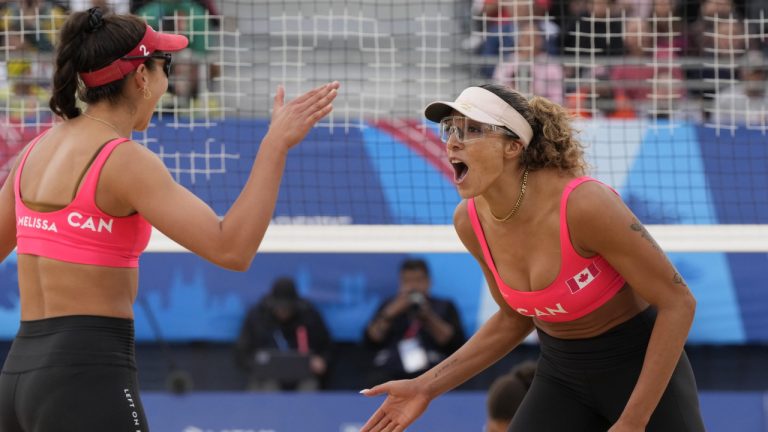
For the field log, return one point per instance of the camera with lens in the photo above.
(417, 300)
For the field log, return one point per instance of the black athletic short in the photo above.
(71, 374)
(584, 384)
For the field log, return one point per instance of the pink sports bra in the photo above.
(80, 232)
(583, 284)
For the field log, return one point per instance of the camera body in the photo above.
(417, 299)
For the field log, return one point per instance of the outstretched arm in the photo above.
(408, 399)
(601, 223)
(144, 183)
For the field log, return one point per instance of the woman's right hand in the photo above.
(292, 121)
(405, 402)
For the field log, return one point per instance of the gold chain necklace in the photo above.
(513, 212)
(102, 122)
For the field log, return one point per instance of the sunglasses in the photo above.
(165, 56)
(466, 130)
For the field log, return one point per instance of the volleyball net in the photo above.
(670, 98)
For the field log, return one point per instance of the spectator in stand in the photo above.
(529, 69)
(284, 322)
(640, 75)
(666, 25)
(596, 34)
(413, 330)
(721, 50)
(565, 13)
(27, 28)
(757, 12)
(25, 88)
(518, 13)
(187, 17)
(745, 103)
(700, 31)
(35, 22)
(632, 80)
(599, 29)
(534, 11)
(496, 32)
(633, 8)
(183, 16)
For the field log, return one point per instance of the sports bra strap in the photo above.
(566, 247)
(85, 169)
(478, 229)
(17, 175)
(88, 190)
(565, 232)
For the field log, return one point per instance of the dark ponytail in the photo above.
(554, 144)
(89, 41)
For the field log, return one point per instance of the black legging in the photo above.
(584, 384)
(72, 373)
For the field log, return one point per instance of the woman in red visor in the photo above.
(78, 207)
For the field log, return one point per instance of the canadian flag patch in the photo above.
(583, 278)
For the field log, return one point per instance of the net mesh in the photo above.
(670, 97)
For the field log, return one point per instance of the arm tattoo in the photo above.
(439, 371)
(638, 227)
(679, 279)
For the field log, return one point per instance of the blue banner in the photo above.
(347, 412)
(194, 300)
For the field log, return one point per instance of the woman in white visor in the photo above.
(562, 254)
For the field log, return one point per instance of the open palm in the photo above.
(292, 120)
(405, 402)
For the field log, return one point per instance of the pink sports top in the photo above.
(583, 284)
(80, 232)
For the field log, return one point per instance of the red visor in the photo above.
(151, 42)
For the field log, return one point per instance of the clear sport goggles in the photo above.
(467, 130)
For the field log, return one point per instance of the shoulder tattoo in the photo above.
(639, 228)
(678, 279)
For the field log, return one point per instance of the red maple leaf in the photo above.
(583, 277)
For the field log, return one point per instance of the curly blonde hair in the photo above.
(554, 144)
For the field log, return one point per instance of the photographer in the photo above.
(284, 322)
(412, 331)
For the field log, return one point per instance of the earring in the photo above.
(146, 92)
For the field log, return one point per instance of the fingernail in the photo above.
(363, 391)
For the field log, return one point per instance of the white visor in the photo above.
(483, 106)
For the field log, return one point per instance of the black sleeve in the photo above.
(245, 341)
(367, 341)
(451, 316)
(255, 333)
(319, 337)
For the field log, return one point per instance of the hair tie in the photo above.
(95, 21)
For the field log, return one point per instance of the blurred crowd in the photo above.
(703, 61)
(27, 34)
(686, 59)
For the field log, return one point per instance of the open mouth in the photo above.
(460, 170)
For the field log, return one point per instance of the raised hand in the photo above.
(292, 121)
(405, 402)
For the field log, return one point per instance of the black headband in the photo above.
(95, 21)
